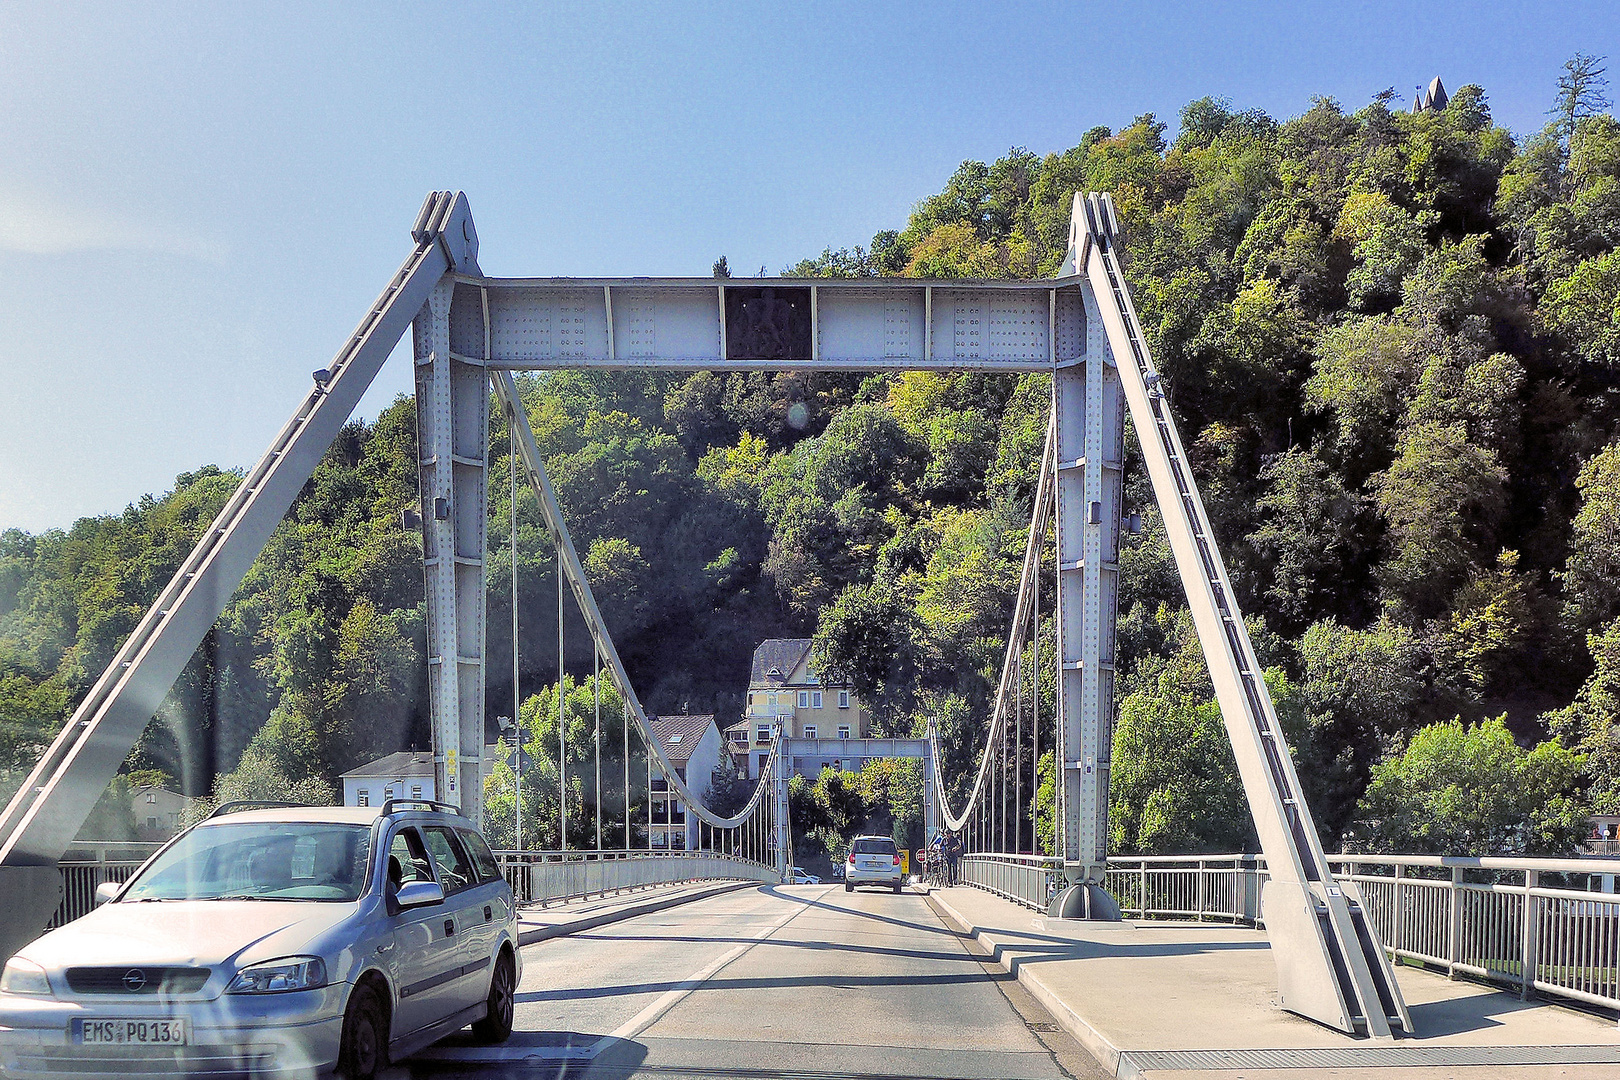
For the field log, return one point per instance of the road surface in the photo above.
(795, 981)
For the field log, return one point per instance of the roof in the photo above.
(775, 659)
(349, 815)
(679, 735)
(402, 764)
(411, 764)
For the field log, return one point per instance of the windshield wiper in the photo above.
(246, 896)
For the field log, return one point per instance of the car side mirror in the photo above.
(415, 894)
(106, 891)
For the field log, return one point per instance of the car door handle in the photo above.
(488, 913)
(449, 928)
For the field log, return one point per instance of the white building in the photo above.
(692, 744)
(157, 811)
(405, 774)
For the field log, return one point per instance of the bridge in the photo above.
(1330, 928)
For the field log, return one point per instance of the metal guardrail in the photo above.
(535, 876)
(86, 865)
(1031, 880)
(543, 877)
(1550, 926)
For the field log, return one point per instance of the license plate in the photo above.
(117, 1031)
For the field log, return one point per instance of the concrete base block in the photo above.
(1084, 901)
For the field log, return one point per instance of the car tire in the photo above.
(848, 887)
(496, 1026)
(898, 886)
(363, 1050)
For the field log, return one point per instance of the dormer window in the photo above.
(775, 673)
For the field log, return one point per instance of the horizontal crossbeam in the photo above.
(779, 324)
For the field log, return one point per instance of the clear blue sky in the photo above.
(197, 202)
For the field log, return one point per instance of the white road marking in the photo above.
(643, 1020)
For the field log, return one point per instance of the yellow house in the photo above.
(782, 688)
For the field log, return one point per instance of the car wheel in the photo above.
(496, 1026)
(848, 887)
(898, 886)
(363, 1052)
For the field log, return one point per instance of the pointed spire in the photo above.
(1437, 96)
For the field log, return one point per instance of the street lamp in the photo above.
(516, 730)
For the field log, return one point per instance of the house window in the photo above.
(804, 699)
(809, 731)
(815, 699)
(763, 759)
(843, 731)
(151, 796)
(416, 791)
(843, 699)
(763, 733)
(362, 797)
(151, 823)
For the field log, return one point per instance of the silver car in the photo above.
(873, 860)
(274, 942)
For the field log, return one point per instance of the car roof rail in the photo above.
(253, 804)
(390, 805)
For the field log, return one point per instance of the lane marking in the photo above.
(629, 1029)
(668, 1000)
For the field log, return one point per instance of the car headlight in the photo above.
(279, 976)
(24, 977)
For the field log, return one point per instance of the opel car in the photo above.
(274, 941)
(873, 860)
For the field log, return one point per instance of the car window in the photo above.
(408, 859)
(455, 869)
(483, 858)
(875, 847)
(260, 860)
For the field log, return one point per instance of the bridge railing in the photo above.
(1030, 880)
(1546, 925)
(86, 865)
(544, 877)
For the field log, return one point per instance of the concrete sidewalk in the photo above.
(537, 923)
(1173, 1001)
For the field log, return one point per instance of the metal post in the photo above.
(517, 699)
(1454, 931)
(1397, 918)
(596, 683)
(648, 748)
(626, 718)
(1018, 756)
(1532, 927)
(562, 719)
(1035, 723)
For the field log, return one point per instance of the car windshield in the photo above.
(260, 861)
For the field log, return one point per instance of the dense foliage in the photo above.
(1392, 341)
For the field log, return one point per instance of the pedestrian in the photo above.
(952, 849)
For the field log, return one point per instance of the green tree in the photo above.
(1471, 790)
(1590, 725)
(1591, 576)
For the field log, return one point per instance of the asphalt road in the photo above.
(795, 981)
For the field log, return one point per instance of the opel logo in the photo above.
(134, 979)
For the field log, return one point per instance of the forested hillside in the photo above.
(1392, 341)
